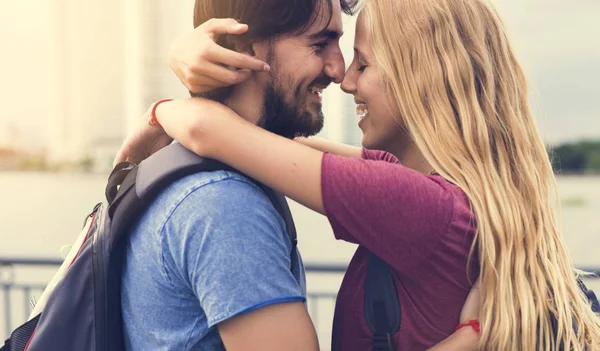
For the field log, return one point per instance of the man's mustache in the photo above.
(322, 81)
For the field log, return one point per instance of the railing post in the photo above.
(7, 317)
(315, 312)
(27, 302)
(7, 280)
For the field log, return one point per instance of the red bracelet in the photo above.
(153, 119)
(473, 323)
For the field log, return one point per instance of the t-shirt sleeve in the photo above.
(377, 155)
(229, 245)
(395, 212)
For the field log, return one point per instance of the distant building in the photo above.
(88, 62)
(151, 27)
(110, 62)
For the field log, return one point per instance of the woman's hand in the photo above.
(202, 65)
(189, 121)
(143, 142)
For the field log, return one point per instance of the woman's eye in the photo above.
(361, 68)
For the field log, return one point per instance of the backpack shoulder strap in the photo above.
(591, 296)
(282, 207)
(382, 308)
(135, 186)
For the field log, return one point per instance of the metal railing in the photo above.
(12, 290)
(10, 287)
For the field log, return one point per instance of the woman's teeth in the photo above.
(361, 111)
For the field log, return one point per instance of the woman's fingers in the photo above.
(119, 158)
(231, 58)
(221, 55)
(202, 65)
(124, 154)
(223, 26)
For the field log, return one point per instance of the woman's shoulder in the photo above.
(460, 199)
(463, 219)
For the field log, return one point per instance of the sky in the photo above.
(559, 46)
(556, 41)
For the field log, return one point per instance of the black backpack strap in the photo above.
(138, 185)
(382, 308)
(171, 163)
(283, 209)
(116, 178)
(591, 296)
(164, 167)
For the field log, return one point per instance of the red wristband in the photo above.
(153, 119)
(473, 323)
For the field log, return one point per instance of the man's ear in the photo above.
(236, 43)
(256, 49)
(244, 47)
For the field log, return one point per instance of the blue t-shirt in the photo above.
(211, 247)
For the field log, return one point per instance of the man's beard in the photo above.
(281, 117)
(288, 120)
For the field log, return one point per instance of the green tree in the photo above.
(593, 162)
(583, 156)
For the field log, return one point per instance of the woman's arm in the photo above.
(366, 200)
(283, 164)
(464, 339)
(330, 146)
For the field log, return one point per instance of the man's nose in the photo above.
(349, 83)
(335, 66)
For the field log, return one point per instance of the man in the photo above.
(208, 265)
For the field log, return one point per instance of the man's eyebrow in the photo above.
(327, 34)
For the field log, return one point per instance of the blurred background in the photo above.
(77, 74)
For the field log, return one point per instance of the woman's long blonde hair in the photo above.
(462, 96)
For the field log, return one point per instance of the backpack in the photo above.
(81, 307)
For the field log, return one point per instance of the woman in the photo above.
(439, 89)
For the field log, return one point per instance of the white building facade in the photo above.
(110, 60)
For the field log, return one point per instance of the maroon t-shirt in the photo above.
(422, 226)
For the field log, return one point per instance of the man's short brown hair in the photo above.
(265, 19)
